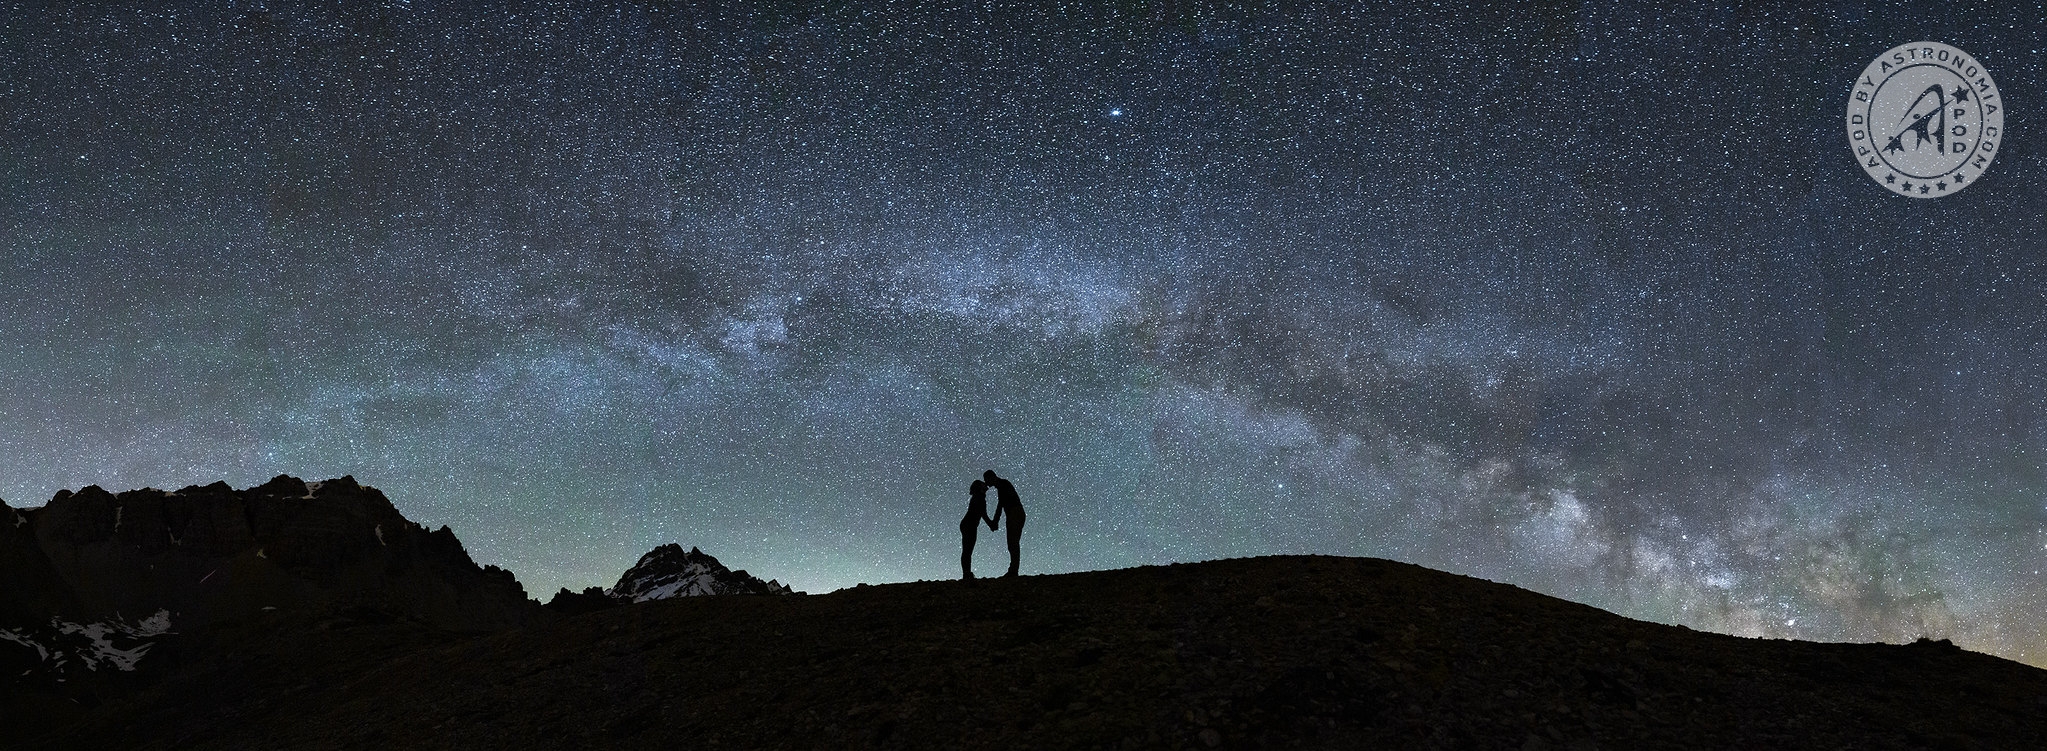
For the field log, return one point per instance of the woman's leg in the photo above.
(966, 551)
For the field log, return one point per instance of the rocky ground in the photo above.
(1270, 652)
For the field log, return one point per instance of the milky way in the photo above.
(1590, 299)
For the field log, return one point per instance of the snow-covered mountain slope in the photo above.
(669, 571)
(63, 647)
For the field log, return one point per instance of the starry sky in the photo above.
(1591, 298)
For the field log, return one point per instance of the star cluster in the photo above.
(1590, 298)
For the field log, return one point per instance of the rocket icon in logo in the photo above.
(1934, 120)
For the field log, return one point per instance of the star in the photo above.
(1959, 178)
(1922, 188)
(1890, 178)
(1961, 94)
(1943, 186)
(1907, 187)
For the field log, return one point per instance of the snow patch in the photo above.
(695, 586)
(42, 653)
(117, 517)
(103, 648)
(380, 536)
(155, 625)
(111, 643)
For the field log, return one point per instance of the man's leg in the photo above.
(1015, 536)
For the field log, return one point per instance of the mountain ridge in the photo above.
(210, 553)
(104, 594)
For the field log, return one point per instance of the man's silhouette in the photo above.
(1006, 502)
(977, 512)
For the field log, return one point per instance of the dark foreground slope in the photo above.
(1274, 652)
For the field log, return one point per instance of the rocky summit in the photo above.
(669, 571)
(1280, 652)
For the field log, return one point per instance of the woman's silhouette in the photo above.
(977, 512)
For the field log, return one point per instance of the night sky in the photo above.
(1592, 299)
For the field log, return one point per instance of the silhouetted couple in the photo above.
(977, 512)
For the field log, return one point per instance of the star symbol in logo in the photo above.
(1961, 94)
(1959, 178)
(1943, 186)
(1890, 178)
(1908, 187)
(1922, 189)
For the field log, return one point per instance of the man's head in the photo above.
(989, 476)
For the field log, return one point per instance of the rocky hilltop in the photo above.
(1282, 652)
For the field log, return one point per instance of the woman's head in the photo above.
(978, 488)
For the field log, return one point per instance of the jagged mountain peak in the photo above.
(669, 571)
